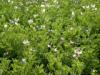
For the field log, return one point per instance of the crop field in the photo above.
(49, 37)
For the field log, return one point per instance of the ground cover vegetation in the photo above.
(49, 37)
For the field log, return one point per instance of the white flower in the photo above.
(74, 55)
(15, 21)
(9, 0)
(26, 42)
(12, 2)
(81, 13)
(49, 46)
(21, 3)
(93, 5)
(87, 6)
(11, 21)
(27, 9)
(30, 21)
(77, 53)
(71, 42)
(83, 7)
(5, 26)
(94, 70)
(6, 53)
(73, 13)
(42, 5)
(42, 26)
(62, 38)
(31, 49)
(35, 15)
(55, 1)
(77, 50)
(95, 9)
(47, 5)
(87, 30)
(50, 30)
(71, 28)
(43, 10)
(55, 50)
(23, 60)
(15, 7)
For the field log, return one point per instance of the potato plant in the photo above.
(49, 37)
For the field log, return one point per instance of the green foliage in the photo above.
(49, 37)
